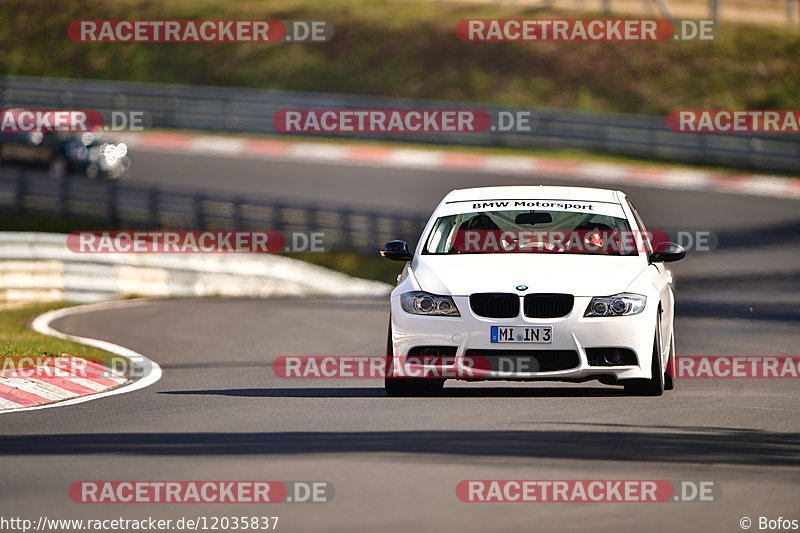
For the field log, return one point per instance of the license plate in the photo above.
(522, 334)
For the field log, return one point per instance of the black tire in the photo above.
(655, 385)
(672, 367)
(408, 386)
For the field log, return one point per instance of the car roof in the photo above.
(534, 192)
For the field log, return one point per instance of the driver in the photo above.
(595, 235)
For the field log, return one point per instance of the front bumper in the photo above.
(471, 333)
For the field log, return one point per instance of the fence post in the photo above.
(662, 5)
(237, 214)
(199, 215)
(21, 192)
(277, 216)
(398, 231)
(152, 208)
(113, 204)
(63, 195)
(374, 236)
(312, 222)
(347, 239)
(714, 9)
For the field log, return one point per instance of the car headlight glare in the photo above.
(424, 303)
(624, 304)
(114, 152)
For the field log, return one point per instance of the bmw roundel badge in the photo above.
(522, 287)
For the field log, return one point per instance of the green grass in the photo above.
(20, 345)
(367, 266)
(409, 49)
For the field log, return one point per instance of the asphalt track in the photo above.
(219, 413)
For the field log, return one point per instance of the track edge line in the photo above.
(41, 324)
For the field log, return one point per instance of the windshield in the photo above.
(526, 231)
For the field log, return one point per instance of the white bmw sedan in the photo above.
(529, 284)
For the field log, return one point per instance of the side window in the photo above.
(642, 228)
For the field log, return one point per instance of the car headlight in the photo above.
(618, 305)
(113, 153)
(425, 303)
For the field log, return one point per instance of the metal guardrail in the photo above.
(117, 204)
(251, 110)
(40, 267)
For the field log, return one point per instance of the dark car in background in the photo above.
(63, 153)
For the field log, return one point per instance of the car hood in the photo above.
(581, 275)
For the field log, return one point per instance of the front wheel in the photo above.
(672, 366)
(655, 385)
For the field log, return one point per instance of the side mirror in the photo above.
(667, 253)
(396, 251)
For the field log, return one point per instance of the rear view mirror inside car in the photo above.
(533, 218)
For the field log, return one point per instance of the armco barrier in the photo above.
(39, 267)
(119, 204)
(234, 109)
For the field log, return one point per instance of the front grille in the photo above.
(548, 305)
(523, 360)
(495, 304)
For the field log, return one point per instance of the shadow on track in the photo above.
(726, 446)
(332, 392)
(364, 392)
(770, 312)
